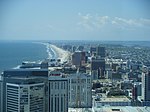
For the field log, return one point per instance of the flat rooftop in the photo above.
(115, 99)
(111, 109)
(122, 109)
(80, 110)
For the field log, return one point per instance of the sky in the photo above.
(121, 20)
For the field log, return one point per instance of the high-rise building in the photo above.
(98, 64)
(25, 97)
(58, 92)
(80, 93)
(98, 51)
(94, 74)
(146, 85)
(93, 51)
(24, 90)
(78, 58)
(101, 51)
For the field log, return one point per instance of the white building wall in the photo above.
(80, 90)
(58, 94)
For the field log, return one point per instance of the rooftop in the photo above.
(122, 109)
(114, 99)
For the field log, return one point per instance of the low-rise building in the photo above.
(111, 101)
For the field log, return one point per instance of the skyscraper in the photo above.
(25, 97)
(146, 85)
(101, 51)
(98, 64)
(80, 93)
(93, 51)
(24, 90)
(78, 58)
(58, 92)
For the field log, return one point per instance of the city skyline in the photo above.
(75, 20)
(76, 76)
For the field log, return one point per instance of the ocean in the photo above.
(14, 53)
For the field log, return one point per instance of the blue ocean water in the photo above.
(13, 53)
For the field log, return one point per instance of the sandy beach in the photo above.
(62, 54)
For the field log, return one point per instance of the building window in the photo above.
(55, 103)
(64, 85)
(58, 102)
(51, 104)
(61, 85)
(55, 85)
(51, 85)
(61, 103)
(89, 81)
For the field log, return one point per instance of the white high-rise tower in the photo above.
(80, 90)
(57, 92)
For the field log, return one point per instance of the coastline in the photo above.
(38, 52)
(61, 54)
(55, 52)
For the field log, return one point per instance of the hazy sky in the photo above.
(74, 19)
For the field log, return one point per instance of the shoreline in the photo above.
(61, 54)
(54, 52)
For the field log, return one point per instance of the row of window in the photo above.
(58, 85)
(58, 102)
(80, 80)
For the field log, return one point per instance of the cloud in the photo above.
(129, 24)
(86, 21)
(145, 22)
(90, 22)
(95, 22)
(101, 21)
